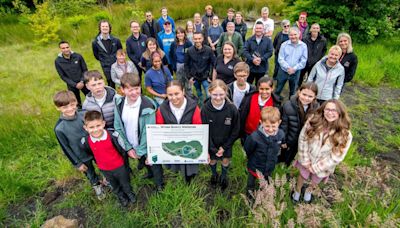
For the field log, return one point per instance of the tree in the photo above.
(363, 19)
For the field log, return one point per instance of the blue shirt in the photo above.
(293, 55)
(215, 32)
(157, 80)
(180, 55)
(165, 41)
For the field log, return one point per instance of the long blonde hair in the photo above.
(340, 127)
(350, 46)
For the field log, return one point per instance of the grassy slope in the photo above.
(31, 161)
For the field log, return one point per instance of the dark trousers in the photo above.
(281, 81)
(119, 180)
(77, 94)
(287, 155)
(276, 68)
(255, 76)
(251, 182)
(91, 174)
(107, 73)
(155, 170)
(304, 71)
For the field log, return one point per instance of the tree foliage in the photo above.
(363, 19)
(44, 24)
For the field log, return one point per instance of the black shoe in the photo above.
(140, 165)
(214, 180)
(123, 201)
(223, 182)
(132, 197)
(148, 176)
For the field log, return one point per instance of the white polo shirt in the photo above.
(130, 117)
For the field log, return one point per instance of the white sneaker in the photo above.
(99, 192)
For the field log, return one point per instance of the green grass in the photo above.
(31, 162)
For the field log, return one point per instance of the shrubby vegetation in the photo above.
(366, 20)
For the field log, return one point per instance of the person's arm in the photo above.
(220, 43)
(303, 149)
(114, 75)
(234, 130)
(285, 119)
(338, 85)
(119, 45)
(303, 58)
(63, 141)
(268, 53)
(159, 117)
(244, 31)
(249, 145)
(352, 68)
(129, 51)
(240, 45)
(132, 67)
(281, 58)
(141, 149)
(246, 51)
(83, 67)
(95, 49)
(332, 160)
(312, 77)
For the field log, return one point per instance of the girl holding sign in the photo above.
(223, 119)
(179, 109)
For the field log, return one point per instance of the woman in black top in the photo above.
(348, 59)
(225, 63)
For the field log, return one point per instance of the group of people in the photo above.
(311, 129)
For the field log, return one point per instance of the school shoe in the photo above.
(99, 192)
(148, 176)
(214, 180)
(123, 201)
(310, 196)
(132, 197)
(292, 197)
(223, 182)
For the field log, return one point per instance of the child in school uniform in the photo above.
(295, 112)
(179, 109)
(69, 131)
(223, 119)
(107, 147)
(252, 104)
(263, 146)
(131, 115)
(240, 87)
(323, 144)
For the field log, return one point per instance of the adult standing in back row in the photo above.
(150, 27)
(267, 22)
(136, 45)
(164, 17)
(257, 50)
(292, 59)
(105, 48)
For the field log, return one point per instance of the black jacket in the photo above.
(262, 151)
(145, 28)
(225, 23)
(223, 125)
(135, 48)
(71, 70)
(117, 142)
(242, 29)
(292, 122)
(278, 40)
(101, 54)
(316, 49)
(198, 63)
(264, 50)
(349, 62)
(231, 90)
(244, 108)
(172, 52)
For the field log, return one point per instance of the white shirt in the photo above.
(261, 102)
(103, 137)
(218, 107)
(178, 112)
(130, 117)
(238, 94)
(268, 24)
(101, 101)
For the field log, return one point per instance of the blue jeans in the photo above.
(197, 85)
(281, 79)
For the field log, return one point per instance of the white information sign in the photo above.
(177, 143)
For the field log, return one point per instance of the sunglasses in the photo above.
(286, 26)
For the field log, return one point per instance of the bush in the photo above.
(102, 15)
(76, 21)
(44, 25)
(365, 20)
(70, 7)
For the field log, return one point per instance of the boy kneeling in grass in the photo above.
(108, 150)
(69, 132)
(263, 146)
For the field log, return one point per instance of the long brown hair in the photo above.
(340, 127)
(146, 54)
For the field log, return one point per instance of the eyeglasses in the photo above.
(328, 110)
(148, 15)
(217, 95)
(286, 26)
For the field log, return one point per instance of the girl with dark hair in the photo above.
(156, 78)
(294, 113)
(179, 109)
